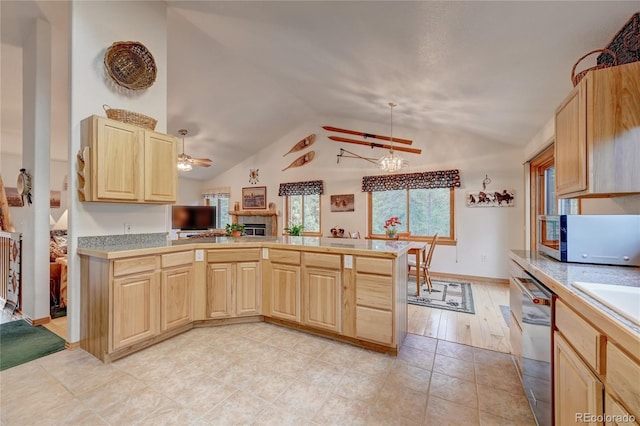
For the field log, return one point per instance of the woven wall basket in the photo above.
(130, 65)
(130, 117)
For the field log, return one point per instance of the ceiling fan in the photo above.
(185, 162)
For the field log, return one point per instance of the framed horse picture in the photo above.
(505, 198)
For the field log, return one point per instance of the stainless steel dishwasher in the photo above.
(531, 334)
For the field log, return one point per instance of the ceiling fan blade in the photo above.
(200, 163)
(203, 159)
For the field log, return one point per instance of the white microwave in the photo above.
(601, 239)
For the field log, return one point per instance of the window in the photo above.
(429, 211)
(543, 193)
(302, 205)
(304, 210)
(219, 198)
(422, 201)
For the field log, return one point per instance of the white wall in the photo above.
(10, 165)
(94, 27)
(479, 231)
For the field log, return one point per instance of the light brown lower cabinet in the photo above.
(176, 294)
(374, 300)
(136, 303)
(322, 299)
(578, 392)
(233, 289)
(248, 293)
(219, 290)
(285, 292)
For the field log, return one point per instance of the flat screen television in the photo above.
(191, 218)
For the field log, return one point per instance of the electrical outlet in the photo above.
(483, 258)
(348, 261)
(199, 255)
(127, 228)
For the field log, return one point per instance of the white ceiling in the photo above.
(243, 74)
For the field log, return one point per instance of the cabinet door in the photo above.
(117, 159)
(571, 143)
(285, 292)
(577, 389)
(248, 289)
(613, 129)
(219, 282)
(160, 171)
(135, 309)
(175, 297)
(323, 290)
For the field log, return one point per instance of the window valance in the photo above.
(220, 191)
(301, 188)
(421, 180)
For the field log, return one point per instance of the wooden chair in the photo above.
(426, 262)
(355, 235)
(404, 235)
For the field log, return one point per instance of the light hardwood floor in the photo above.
(485, 329)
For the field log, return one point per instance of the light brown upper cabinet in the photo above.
(126, 164)
(597, 147)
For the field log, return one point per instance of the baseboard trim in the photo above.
(331, 335)
(38, 321)
(71, 346)
(484, 280)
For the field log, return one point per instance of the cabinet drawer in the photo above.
(134, 265)
(618, 415)
(372, 265)
(284, 256)
(582, 336)
(373, 291)
(326, 261)
(177, 259)
(233, 255)
(623, 376)
(374, 324)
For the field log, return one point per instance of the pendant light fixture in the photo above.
(392, 162)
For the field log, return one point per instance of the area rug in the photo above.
(452, 296)
(506, 311)
(20, 343)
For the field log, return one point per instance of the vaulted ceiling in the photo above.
(243, 74)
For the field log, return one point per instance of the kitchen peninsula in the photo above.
(135, 295)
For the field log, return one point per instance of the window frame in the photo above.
(208, 198)
(444, 240)
(287, 199)
(538, 165)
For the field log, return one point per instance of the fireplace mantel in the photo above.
(263, 214)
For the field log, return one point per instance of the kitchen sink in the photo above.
(621, 299)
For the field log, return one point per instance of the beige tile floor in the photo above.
(264, 374)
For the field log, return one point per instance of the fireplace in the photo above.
(255, 229)
(257, 222)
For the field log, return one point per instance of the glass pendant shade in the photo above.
(392, 162)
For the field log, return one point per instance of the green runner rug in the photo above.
(21, 342)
